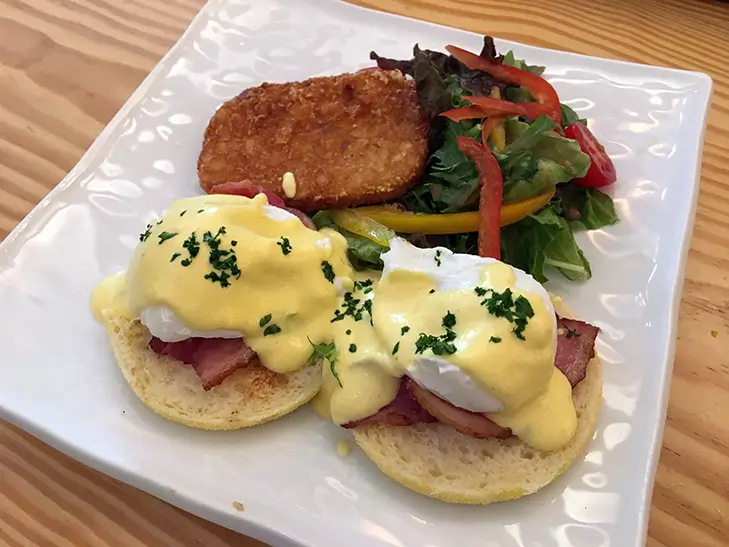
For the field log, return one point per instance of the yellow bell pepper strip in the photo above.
(495, 127)
(406, 222)
(353, 221)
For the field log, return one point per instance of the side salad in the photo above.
(512, 172)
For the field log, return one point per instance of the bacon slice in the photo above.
(214, 359)
(403, 410)
(249, 190)
(469, 423)
(575, 348)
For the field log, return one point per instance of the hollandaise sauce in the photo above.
(501, 337)
(223, 263)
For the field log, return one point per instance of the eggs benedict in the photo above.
(482, 389)
(214, 322)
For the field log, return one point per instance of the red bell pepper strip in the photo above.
(492, 193)
(485, 106)
(464, 113)
(507, 108)
(540, 88)
(602, 170)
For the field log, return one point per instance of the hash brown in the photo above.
(349, 140)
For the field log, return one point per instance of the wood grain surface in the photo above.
(66, 66)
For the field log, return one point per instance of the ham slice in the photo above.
(214, 359)
(249, 190)
(403, 410)
(575, 348)
(469, 423)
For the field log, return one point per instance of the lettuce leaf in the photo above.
(537, 159)
(510, 60)
(451, 183)
(363, 253)
(587, 208)
(541, 240)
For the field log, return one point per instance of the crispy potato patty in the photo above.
(349, 140)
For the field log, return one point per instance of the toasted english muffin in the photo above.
(436, 460)
(250, 396)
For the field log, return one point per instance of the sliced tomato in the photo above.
(492, 192)
(602, 170)
(540, 88)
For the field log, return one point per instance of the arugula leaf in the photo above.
(329, 353)
(363, 252)
(587, 208)
(537, 159)
(544, 239)
(569, 116)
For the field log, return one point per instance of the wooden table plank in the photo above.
(66, 66)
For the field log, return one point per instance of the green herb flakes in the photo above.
(329, 353)
(265, 320)
(352, 348)
(164, 236)
(285, 245)
(396, 348)
(271, 329)
(328, 271)
(146, 233)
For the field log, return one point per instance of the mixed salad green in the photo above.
(551, 168)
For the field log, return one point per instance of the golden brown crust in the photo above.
(349, 139)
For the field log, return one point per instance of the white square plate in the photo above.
(60, 383)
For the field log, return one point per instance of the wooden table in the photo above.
(66, 66)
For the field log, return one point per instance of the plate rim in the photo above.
(263, 531)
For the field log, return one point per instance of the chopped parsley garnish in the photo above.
(349, 331)
(437, 257)
(328, 352)
(223, 261)
(480, 291)
(233, 243)
(353, 307)
(495, 339)
(394, 349)
(200, 210)
(365, 284)
(193, 248)
(439, 345)
(449, 320)
(328, 271)
(271, 329)
(265, 320)
(504, 305)
(164, 236)
(285, 245)
(146, 233)
(404, 330)
(174, 257)
(182, 214)
(431, 291)
(158, 222)
(352, 348)
(571, 333)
